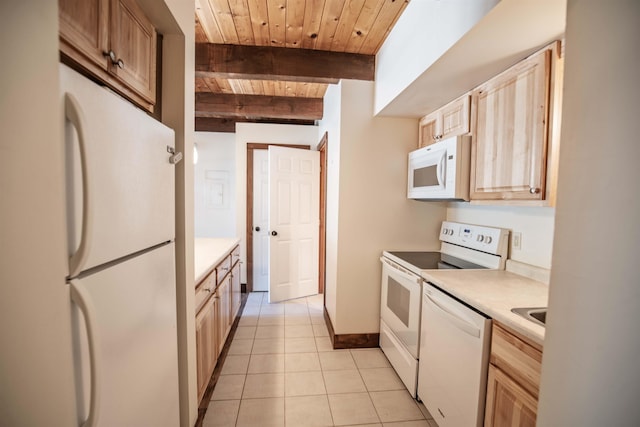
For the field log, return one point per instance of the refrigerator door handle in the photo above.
(80, 298)
(73, 113)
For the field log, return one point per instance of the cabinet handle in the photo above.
(112, 56)
(207, 289)
(534, 190)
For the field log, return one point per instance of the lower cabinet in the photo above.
(207, 343)
(508, 404)
(236, 297)
(513, 382)
(223, 294)
(218, 299)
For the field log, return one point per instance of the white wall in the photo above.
(373, 212)
(425, 30)
(215, 185)
(535, 224)
(174, 19)
(35, 331)
(330, 124)
(590, 374)
(261, 133)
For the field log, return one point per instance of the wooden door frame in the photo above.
(322, 254)
(249, 224)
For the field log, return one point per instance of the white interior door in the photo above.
(260, 220)
(294, 197)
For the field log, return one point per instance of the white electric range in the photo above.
(463, 246)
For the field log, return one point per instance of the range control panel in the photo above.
(486, 239)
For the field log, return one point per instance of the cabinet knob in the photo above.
(111, 54)
(274, 233)
(257, 228)
(534, 190)
(113, 58)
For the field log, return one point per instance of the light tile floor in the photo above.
(281, 370)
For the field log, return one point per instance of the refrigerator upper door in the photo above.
(125, 187)
(135, 317)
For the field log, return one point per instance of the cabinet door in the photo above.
(450, 120)
(455, 117)
(83, 31)
(133, 40)
(429, 129)
(508, 155)
(223, 293)
(206, 345)
(508, 404)
(235, 291)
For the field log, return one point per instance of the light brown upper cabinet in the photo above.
(450, 120)
(515, 123)
(113, 41)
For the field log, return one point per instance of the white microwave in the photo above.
(440, 171)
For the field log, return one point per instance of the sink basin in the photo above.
(535, 314)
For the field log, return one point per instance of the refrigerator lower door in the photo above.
(136, 339)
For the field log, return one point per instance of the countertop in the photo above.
(495, 293)
(208, 252)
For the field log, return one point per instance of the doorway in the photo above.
(251, 185)
(249, 228)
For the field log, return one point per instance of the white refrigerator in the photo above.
(120, 196)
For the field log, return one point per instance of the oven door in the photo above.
(400, 304)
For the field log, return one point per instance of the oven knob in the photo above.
(488, 240)
(480, 238)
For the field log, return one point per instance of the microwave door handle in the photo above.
(440, 170)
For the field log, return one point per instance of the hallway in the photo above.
(281, 371)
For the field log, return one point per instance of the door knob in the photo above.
(274, 233)
(257, 228)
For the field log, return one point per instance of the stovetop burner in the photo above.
(434, 260)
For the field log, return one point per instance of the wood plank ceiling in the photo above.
(272, 60)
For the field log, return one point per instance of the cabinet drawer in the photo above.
(235, 255)
(517, 358)
(223, 268)
(204, 290)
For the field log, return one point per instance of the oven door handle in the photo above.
(464, 326)
(401, 271)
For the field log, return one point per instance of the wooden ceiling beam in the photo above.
(224, 105)
(228, 125)
(279, 63)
